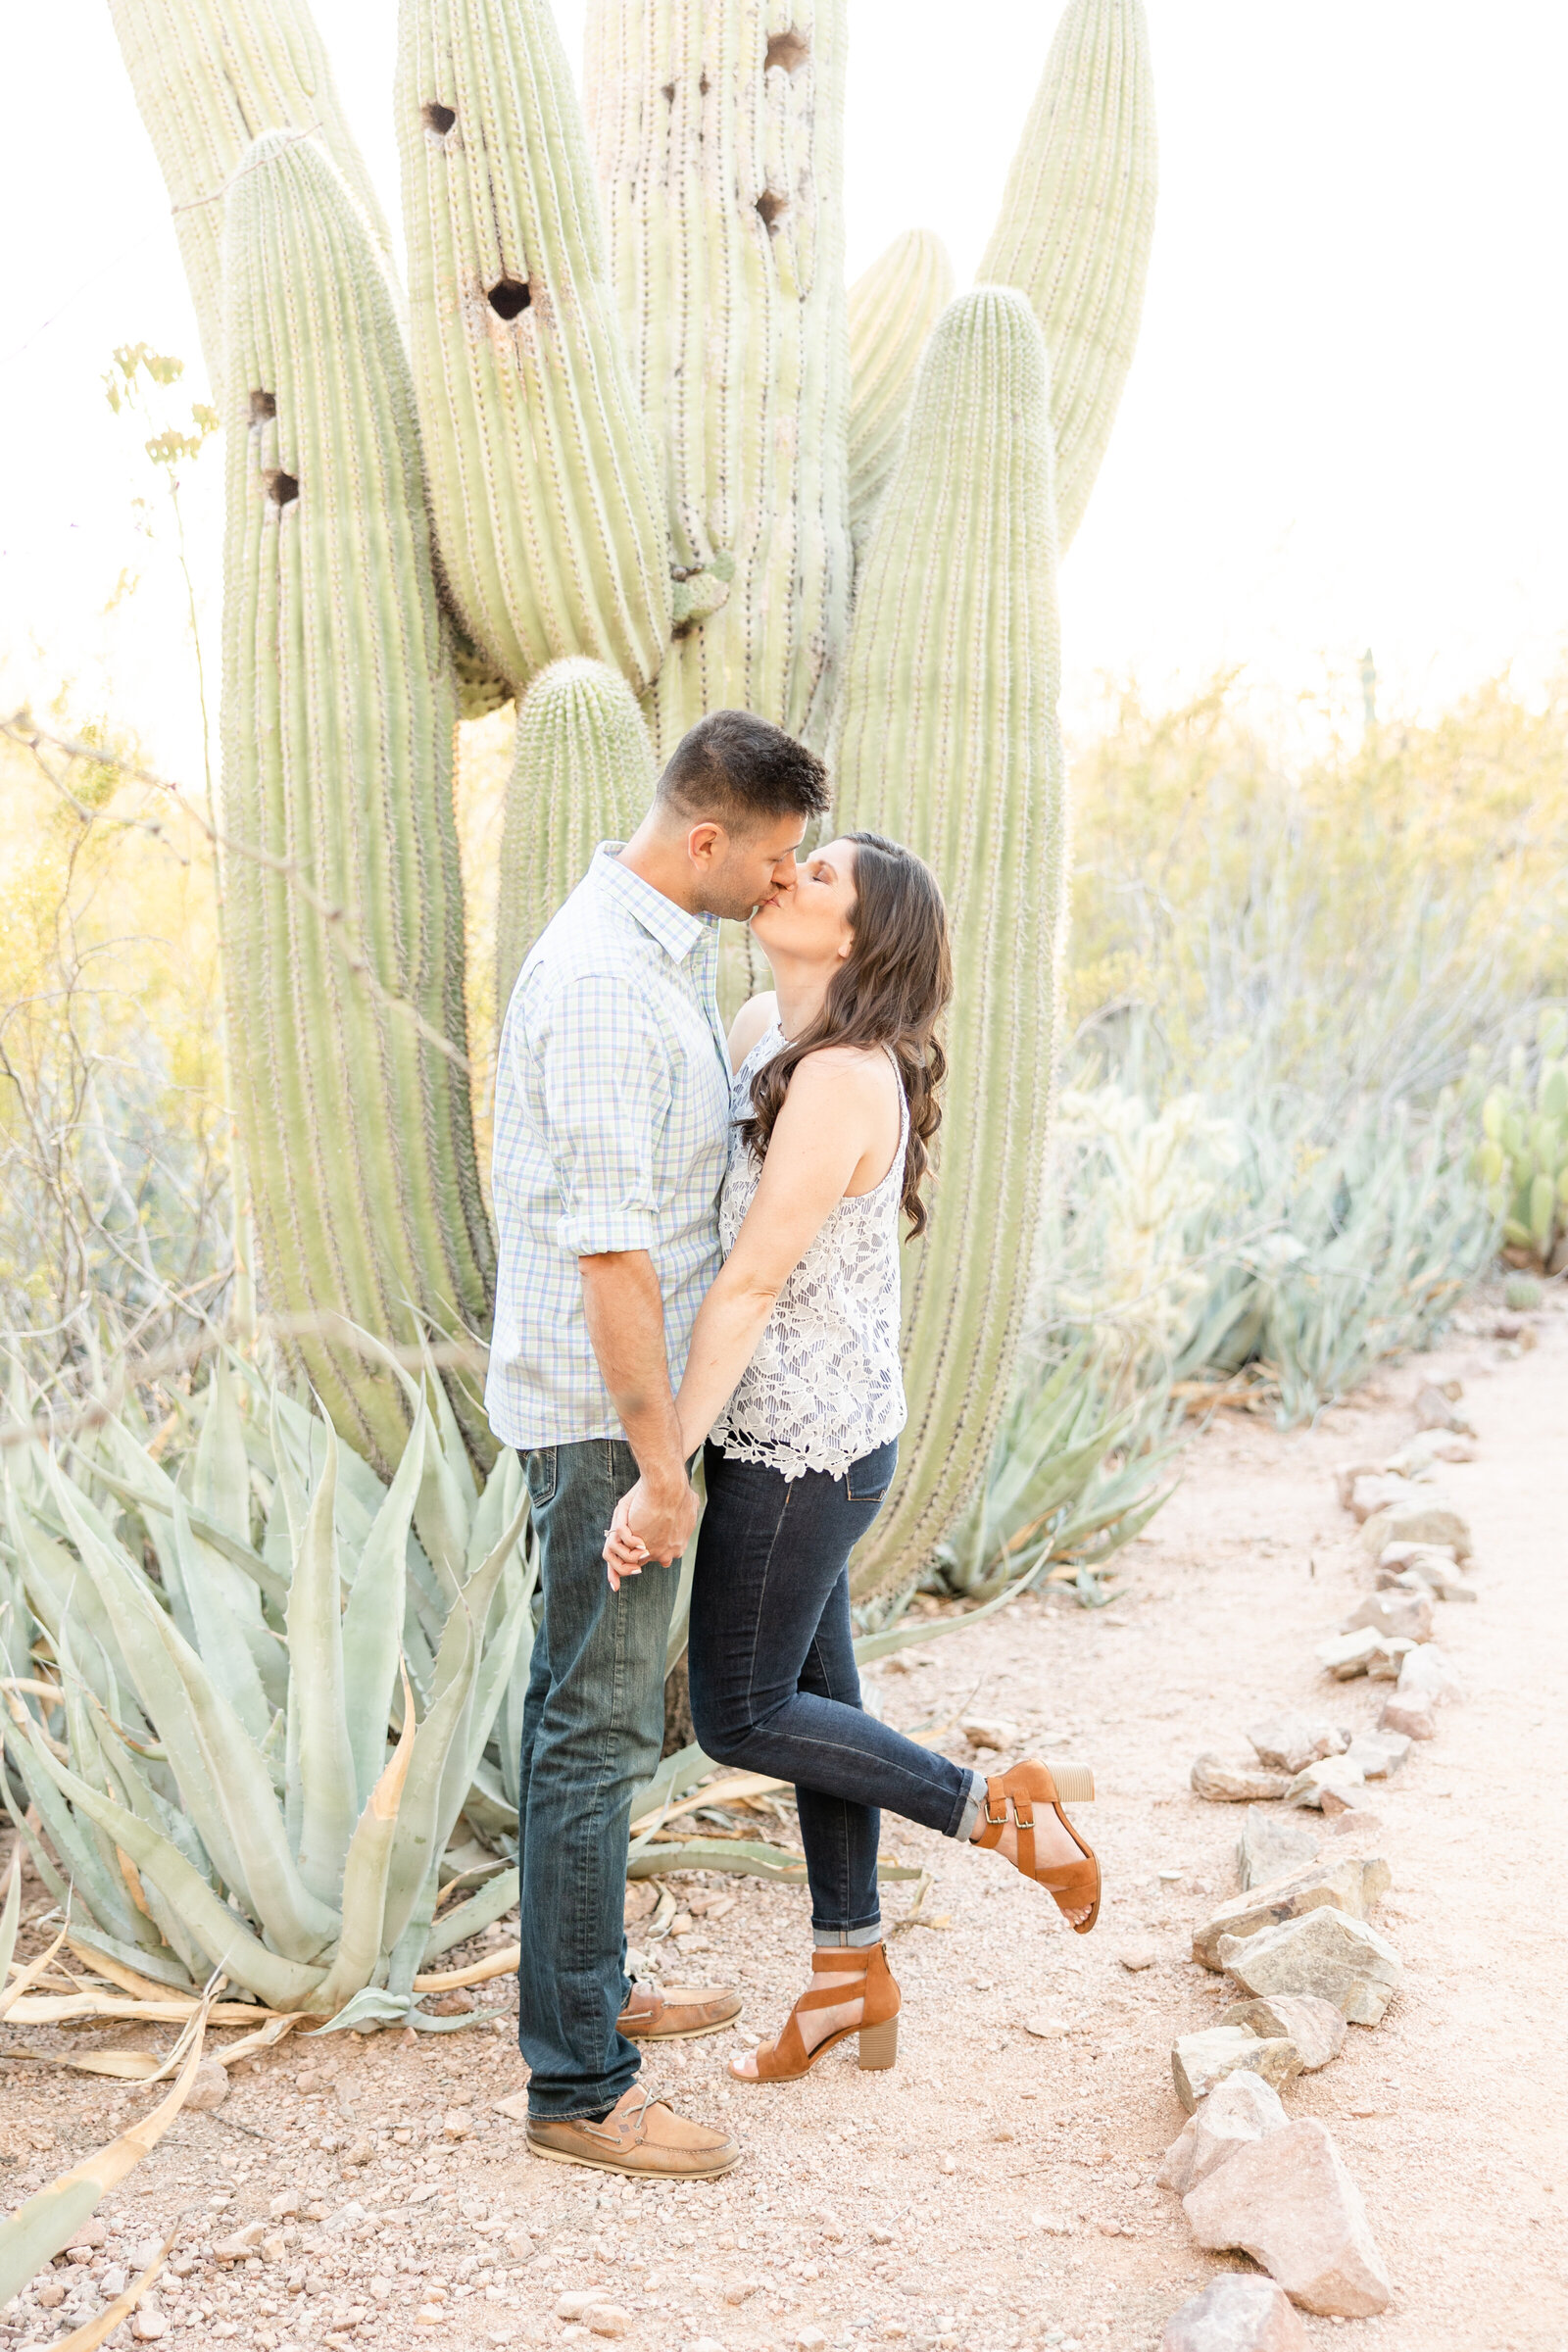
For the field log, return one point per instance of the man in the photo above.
(610, 1139)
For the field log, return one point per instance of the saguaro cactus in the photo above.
(1077, 217)
(946, 738)
(208, 81)
(339, 726)
(893, 308)
(704, 555)
(582, 772)
(717, 127)
(543, 479)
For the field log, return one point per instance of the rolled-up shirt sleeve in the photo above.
(605, 1083)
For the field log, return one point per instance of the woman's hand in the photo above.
(625, 1553)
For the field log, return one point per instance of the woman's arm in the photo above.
(828, 1122)
(749, 1024)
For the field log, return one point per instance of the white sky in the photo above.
(1344, 425)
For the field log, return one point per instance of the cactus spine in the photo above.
(338, 735)
(719, 144)
(209, 79)
(1076, 224)
(893, 308)
(543, 479)
(946, 738)
(583, 773)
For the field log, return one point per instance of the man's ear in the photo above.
(705, 842)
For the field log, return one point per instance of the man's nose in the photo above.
(786, 874)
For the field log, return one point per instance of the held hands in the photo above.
(646, 1527)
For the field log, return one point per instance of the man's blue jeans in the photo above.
(592, 1729)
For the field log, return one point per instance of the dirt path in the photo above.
(996, 2189)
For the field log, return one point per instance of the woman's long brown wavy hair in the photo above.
(889, 991)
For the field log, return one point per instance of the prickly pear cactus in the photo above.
(1522, 1157)
(655, 434)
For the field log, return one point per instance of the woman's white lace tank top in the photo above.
(825, 1385)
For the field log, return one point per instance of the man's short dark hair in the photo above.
(742, 771)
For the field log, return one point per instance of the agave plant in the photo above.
(292, 1697)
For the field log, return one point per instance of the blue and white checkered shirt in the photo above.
(611, 1133)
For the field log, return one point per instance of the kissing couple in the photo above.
(698, 1253)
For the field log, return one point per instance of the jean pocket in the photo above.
(868, 1479)
(542, 1473)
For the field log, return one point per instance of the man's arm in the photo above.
(626, 1316)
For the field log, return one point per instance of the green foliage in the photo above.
(1522, 1156)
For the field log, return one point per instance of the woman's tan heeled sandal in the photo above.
(787, 2058)
(1073, 1885)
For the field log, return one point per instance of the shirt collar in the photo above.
(675, 931)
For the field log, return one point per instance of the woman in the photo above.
(794, 1381)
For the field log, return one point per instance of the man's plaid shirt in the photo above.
(612, 1123)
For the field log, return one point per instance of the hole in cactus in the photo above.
(705, 85)
(437, 118)
(787, 49)
(263, 406)
(283, 489)
(508, 297)
(667, 93)
(771, 208)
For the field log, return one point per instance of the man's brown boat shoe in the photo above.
(680, 2013)
(641, 2134)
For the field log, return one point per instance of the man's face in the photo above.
(739, 872)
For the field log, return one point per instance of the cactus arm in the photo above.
(1076, 224)
(948, 740)
(582, 772)
(210, 79)
(893, 308)
(339, 726)
(721, 178)
(544, 482)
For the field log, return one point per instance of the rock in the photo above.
(1379, 1754)
(51, 2294)
(572, 2306)
(1134, 1957)
(1422, 1522)
(1393, 1613)
(240, 2242)
(457, 2123)
(1328, 1787)
(284, 2205)
(1364, 1652)
(807, 2339)
(1324, 1952)
(114, 2281)
(1427, 1447)
(1411, 1716)
(1316, 2027)
(606, 2318)
(1046, 2029)
(209, 2087)
(1199, 2061)
(1288, 2200)
(148, 2324)
(1289, 1743)
(1428, 1674)
(275, 2247)
(1356, 1822)
(1380, 1493)
(1241, 2108)
(989, 1731)
(381, 2287)
(1348, 1883)
(363, 2151)
(1237, 2312)
(1434, 1410)
(1345, 1475)
(88, 2235)
(1270, 1846)
(1234, 1783)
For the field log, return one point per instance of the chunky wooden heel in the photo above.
(840, 1974)
(879, 2045)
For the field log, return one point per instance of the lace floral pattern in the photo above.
(825, 1385)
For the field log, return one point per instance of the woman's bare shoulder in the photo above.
(755, 1016)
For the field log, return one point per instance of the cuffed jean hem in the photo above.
(971, 1807)
(846, 1939)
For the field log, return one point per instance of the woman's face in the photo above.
(812, 922)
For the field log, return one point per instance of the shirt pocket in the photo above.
(868, 1479)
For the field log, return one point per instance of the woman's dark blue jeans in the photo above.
(773, 1680)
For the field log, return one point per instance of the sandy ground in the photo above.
(997, 2188)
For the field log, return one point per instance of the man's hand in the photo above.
(649, 1527)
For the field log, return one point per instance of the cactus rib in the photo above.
(947, 739)
(893, 308)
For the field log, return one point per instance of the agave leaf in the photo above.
(25, 1837)
(222, 1934)
(218, 1622)
(146, 1487)
(417, 1847)
(27, 1977)
(104, 1892)
(462, 1920)
(222, 1781)
(45, 2225)
(221, 1476)
(52, 1581)
(378, 1604)
(11, 1912)
(373, 2007)
(364, 1875)
(319, 1768)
